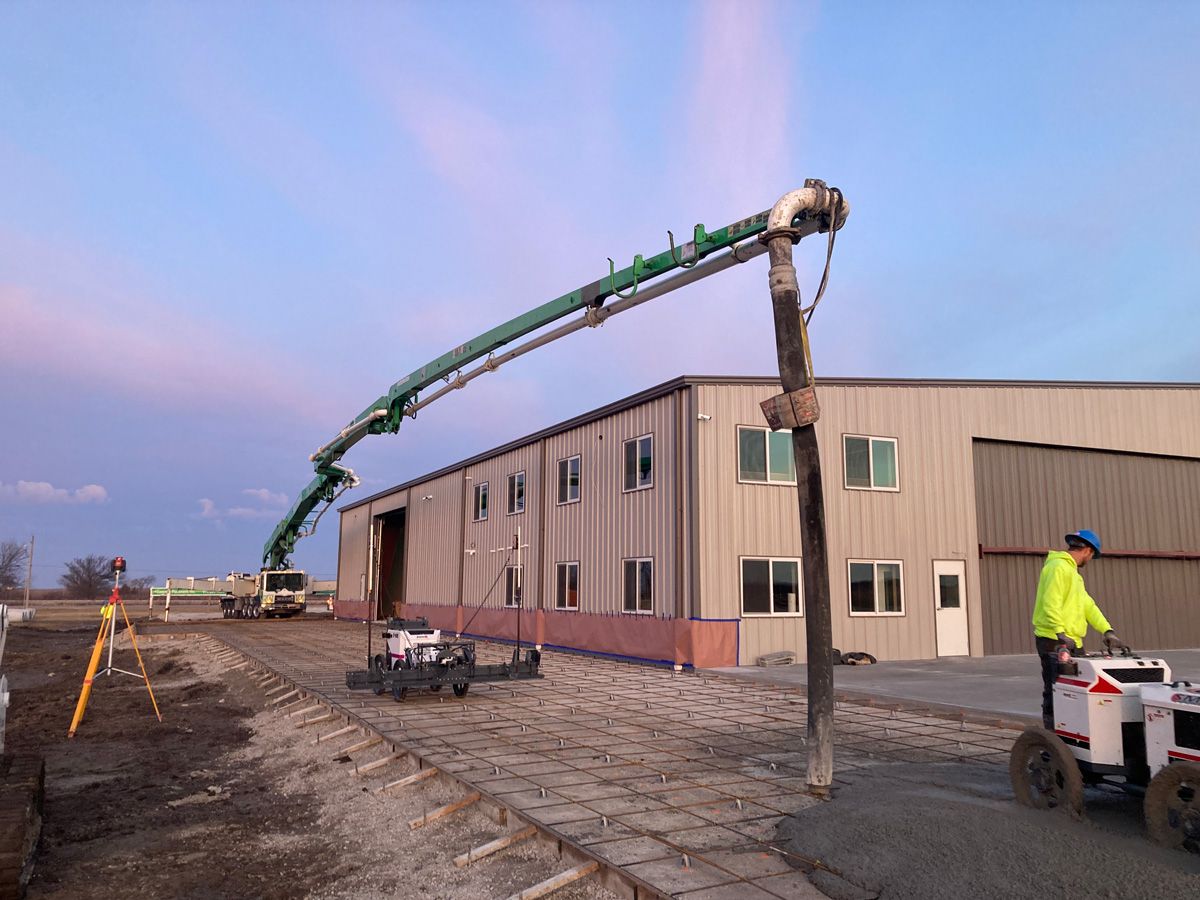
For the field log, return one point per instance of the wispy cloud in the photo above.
(44, 492)
(271, 504)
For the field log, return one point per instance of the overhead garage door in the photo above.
(1146, 510)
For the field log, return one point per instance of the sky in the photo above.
(226, 228)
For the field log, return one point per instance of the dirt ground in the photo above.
(952, 830)
(224, 798)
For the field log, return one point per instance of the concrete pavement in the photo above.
(1007, 686)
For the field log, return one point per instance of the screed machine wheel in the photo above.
(460, 690)
(1173, 807)
(1044, 774)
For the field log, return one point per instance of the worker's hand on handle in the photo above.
(1068, 642)
(1113, 643)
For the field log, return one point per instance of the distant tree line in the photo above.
(85, 578)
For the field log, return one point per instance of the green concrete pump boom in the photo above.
(386, 413)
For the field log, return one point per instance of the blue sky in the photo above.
(225, 228)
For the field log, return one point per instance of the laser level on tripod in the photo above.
(108, 627)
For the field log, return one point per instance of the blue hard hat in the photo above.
(1088, 536)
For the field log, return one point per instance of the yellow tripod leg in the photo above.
(105, 624)
(138, 654)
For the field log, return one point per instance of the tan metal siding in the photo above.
(1031, 496)
(606, 525)
(932, 516)
(353, 539)
(483, 570)
(434, 535)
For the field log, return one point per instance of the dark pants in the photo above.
(1047, 649)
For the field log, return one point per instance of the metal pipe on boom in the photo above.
(795, 372)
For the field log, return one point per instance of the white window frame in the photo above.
(558, 479)
(877, 614)
(638, 560)
(480, 490)
(557, 568)
(510, 585)
(766, 455)
(643, 487)
(511, 497)
(770, 614)
(869, 438)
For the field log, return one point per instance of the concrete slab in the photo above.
(1008, 686)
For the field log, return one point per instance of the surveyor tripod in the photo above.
(108, 627)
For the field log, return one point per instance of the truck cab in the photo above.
(282, 592)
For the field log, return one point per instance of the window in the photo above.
(566, 594)
(771, 587)
(513, 584)
(639, 585)
(480, 506)
(871, 463)
(765, 456)
(568, 480)
(516, 493)
(876, 588)
(639, 463)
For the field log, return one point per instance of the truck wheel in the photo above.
(460, 690)
(1044, 774)
(1173, 807)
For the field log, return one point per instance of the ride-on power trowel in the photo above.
(1119, 721)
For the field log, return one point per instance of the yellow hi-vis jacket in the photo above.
(1063, 605)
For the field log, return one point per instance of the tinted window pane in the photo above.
(756, 578)
(560, 588)
(783, 464)
(562, 480)
(858, 462)
(889, 588)
(646, 596)
(948, 585)
(862, 587)
(645, 472)
(630, 600)
(752, 455)
(573, 586)
(883, 463)
(573, 491)
(785, 587)
(630, 465)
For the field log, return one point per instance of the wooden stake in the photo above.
(407, 780)
(513, 837)
(361, 745)
(562, 879)
(317, 720)
(444, 811)
(377, 764)
(333, 734)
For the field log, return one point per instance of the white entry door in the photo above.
(950, 605)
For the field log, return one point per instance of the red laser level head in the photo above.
(118, 564)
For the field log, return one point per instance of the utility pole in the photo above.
(797, 408)
(29, 570)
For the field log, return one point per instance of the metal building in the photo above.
(665, 527)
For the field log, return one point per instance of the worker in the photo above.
(1064, 610)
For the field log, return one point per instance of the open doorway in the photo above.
(389, 574)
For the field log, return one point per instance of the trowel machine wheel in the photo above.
(1119, 721)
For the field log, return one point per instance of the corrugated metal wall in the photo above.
(434, 534)
(352, 553)
(608, 525)
(484, 569)
(1031, 496)
(932, 517)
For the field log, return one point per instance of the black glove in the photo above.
(1113, 643)
(1067, 642)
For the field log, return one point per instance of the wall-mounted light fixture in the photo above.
(469, 552)
(703, 417)
(427, 497)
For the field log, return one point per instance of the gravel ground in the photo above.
(952, 830)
